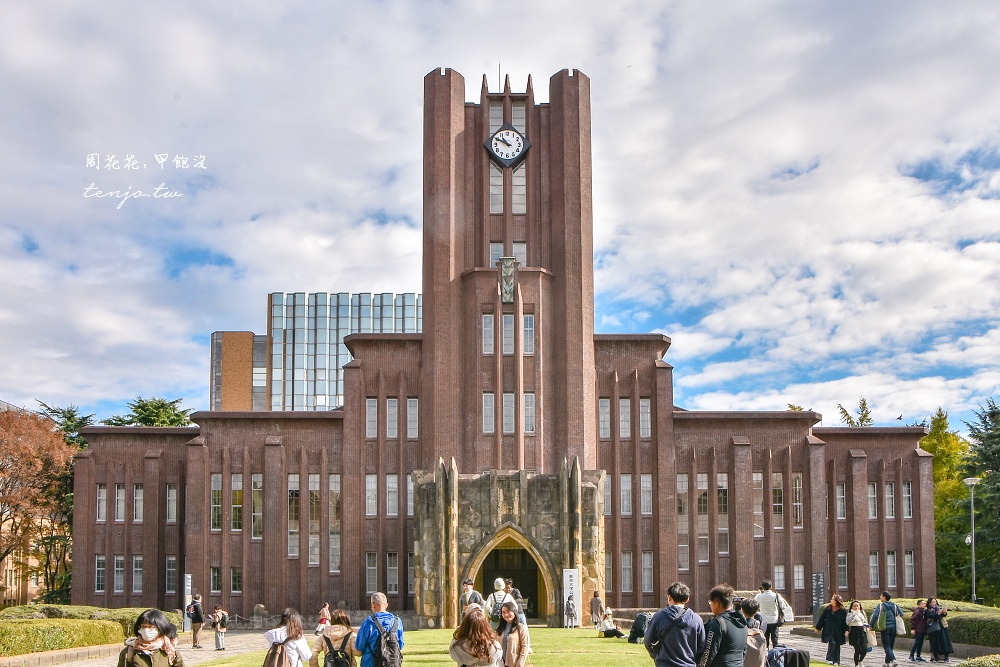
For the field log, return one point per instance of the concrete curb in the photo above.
(903, 644)
(44, 658)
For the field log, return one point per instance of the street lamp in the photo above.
(971, 539)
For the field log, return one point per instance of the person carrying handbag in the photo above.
(887, 619)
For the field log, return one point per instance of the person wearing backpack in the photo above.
(197, 616)
(725, 631)
(675, 635)
(756, 654)
(336, 643)
(380, 637)
(153, 642)
(219, 619)
(287, 641)
(496, 600)
(884, 620)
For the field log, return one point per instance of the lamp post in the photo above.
(971, 483)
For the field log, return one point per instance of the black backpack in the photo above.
(190, 610)
(387, 652)
(224, 621)
(337, 657)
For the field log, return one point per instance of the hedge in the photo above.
(21, 636)
(984, 661)
(125, 617)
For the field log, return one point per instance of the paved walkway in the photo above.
(817, 651)
(237, 642)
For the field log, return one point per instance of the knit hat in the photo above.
(498, 584)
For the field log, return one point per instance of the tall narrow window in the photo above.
(683, 524)
(907, 500)
(779, 577)
(119, 502)
(137, 503)
(487, 333)
(412, 418)
(645, 419)
(236, 580)
(873, 569)
(646, 494)
(529, 334)
(392, 418)
(842, 570)
(519, 190)
(409, 495)
(171, 509)
(496, 252)
(624, 418)
(496, 189)
(908, 570)
(520, 249)
(890, 569)
(626, 572)
(489, 416)
(799, 576)
(529, 412)
(236, 501)
(508, 333)
(517, 115)
(293, 515)
(496, 115)
(314, 519)
(371, 572)
(872, 500)
(215, 579)
(722, 496)
(508, 413)
(797, 499)
(777, 500)
(99, 573)
(841, 491)
(758, 504)
(647, 571)
(890, 500)
(102, 502)
(702, 517)
(410, 573)
(604, 417)
(136, 573)
(609, 571)
(391, 572)
(392, 495)
(371, 417)
(334, 518)
(216, 502)
(625, 488)
(371, 495)
(170, 575)
(257, 505)
(119, 574)
(607, 495)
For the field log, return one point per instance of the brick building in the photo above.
(505, 437)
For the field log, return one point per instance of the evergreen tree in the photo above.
(984, 462)
(152, 412)
(864, 415)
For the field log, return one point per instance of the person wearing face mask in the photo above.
(154, 643)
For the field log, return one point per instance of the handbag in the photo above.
(900, 623)
(781, 611)
(872, 639)
(934, 626)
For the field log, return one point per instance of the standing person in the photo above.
(368, 634)
(469, 596)
(596, 609)
(197, 616)
(770, 602)
(324, 618)
(937, 631)
(337, 636)
(756, 655)
(675, 635)
(153, 642)
(572, 619)
(475, 644)
(607, 627)
(519, 599)
(219, 619)
(724, 646)
(857, 632)
(289, 632)
(833, 625)
(496, 600)
(919, 626)
(884, 620)
(513, 636)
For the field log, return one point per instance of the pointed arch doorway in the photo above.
(511, 554)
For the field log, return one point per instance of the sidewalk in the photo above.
(805, 638)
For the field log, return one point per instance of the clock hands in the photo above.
(503, 140)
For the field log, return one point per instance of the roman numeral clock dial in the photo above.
(507, 146)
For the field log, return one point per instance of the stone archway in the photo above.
(509, 536)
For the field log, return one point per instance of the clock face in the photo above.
(507, 146)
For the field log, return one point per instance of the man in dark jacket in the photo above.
(918, 624)
(197, 615)
(676, 634)
(725, 632)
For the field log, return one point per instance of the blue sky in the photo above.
(805, 196)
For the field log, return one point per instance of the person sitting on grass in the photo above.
(608, 627)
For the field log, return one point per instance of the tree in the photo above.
(152, 412)
(32, 454)
(864, 415)
(984, 462)
(53, 547)
(951, 508)
(794, 408)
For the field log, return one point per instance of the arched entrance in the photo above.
(509, 553)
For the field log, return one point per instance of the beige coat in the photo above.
(517, 647)
(336, 633)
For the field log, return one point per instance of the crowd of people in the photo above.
(494, 631)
